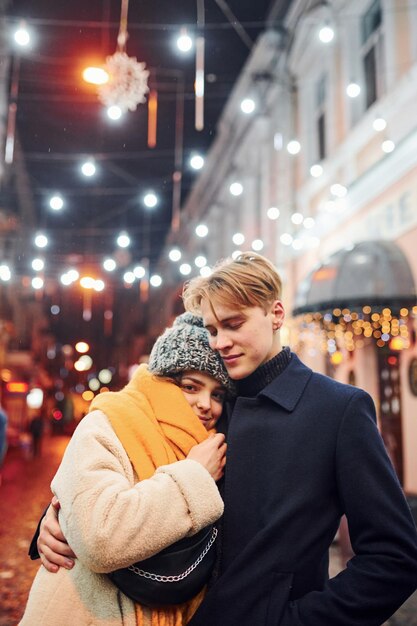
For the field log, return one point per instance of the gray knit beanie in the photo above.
(185, 346)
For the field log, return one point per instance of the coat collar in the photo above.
(288, 387)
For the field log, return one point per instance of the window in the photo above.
(321, 118)
(372, 52)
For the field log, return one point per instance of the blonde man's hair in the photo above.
(248, 280)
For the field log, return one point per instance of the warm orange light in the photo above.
(6, 375)
(396, 343)
(152, 118)
(336, 358)
(87, 396)
(87, 282)
(95, 75)
(82, 347)
(324, 273)
(17, 387)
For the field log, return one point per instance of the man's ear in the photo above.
(278, 314)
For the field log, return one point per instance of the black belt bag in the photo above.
(174, 575)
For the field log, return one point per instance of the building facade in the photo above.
(325, 160)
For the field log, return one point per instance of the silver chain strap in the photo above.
(172, 579)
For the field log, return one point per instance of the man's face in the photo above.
(244, 337)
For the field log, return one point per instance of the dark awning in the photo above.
(374, 273)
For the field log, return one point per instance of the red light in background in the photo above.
(57, 415)
(392, 360)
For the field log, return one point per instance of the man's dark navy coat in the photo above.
(300, 454)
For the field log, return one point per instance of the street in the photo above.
(24, 493)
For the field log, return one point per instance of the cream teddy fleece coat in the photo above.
(111, 521)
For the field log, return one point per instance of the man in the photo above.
(303, 450)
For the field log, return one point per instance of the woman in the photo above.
(138, 475)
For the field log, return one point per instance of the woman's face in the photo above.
(205, 395)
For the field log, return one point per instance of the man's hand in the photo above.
(52, 545)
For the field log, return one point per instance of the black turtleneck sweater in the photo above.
(263, 375)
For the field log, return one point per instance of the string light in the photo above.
(109, 265)
(293, 146)
(185, 269)
(238, 239)
(123, 240)
(353, 90)
(388, 146)
(129, 277)
(236, 189)
(155, 280)
(201, 230)
(38, 265)
(316, 170)
(37, 282)
(5, 273)
(184, 41)
(56, 203)
(21, 36)
(114, 112)
(150, 200)
(326, 34)
(273, 213)
(41, 240)
(247, 106)
(286, 239)
(379, 124)
(197, 162)
(337, 190)
(174, 254)
(139, 272)
(200, 261)
(257, 245)
(205, 271)
(347, 330)
(88, 168)
(297, 218)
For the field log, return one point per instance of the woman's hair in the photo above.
(248, 280)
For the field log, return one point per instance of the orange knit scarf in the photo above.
(156, 426)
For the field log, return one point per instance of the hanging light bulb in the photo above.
(123, 240)
(293, 146)
(326, 33)
(22, 36)
(184, 41)
(114, 112)
(197, 162)
(353, 90)
(88, 168)
(174, 255)
(236, 189)
(379, 124)
(95, 75)
(248, 106)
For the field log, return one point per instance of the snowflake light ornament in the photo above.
(128, 79)
(128, 82)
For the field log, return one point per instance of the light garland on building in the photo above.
(345, 330)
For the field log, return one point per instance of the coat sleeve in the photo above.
(111, 522)
(383, 572)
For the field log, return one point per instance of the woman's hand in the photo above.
(211, 453)
(52, 545)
